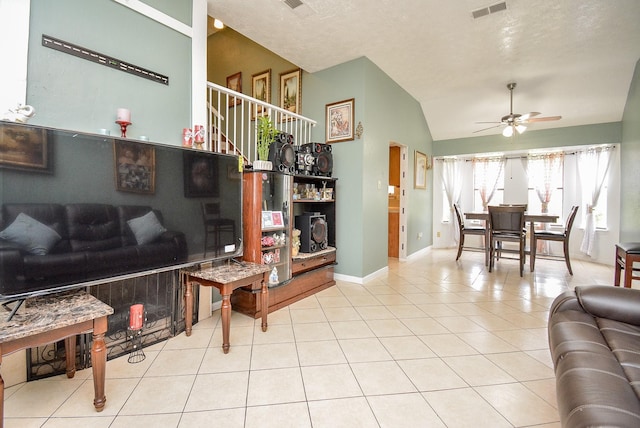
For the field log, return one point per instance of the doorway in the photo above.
(397, 227)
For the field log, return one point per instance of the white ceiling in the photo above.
(573, 58)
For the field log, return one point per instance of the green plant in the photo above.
(266, 135)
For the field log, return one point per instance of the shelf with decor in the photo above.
(268, 239)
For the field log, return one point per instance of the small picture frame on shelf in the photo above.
(267, 219)
(276, 217)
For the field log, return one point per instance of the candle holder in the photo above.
(137, 354)
(123, 127)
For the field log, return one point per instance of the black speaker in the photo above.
(314, 159)
(313, 232)
(282, 154)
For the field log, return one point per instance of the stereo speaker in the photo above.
(313, 232)
(282, 154)
(314, 159)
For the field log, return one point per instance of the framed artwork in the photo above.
(200, 172)
(291, 90)
(234, 82)
(25, 148)
(135, 167)
(276, 216)
(267, 219)
(261, 90)
(420, 171)
(339, 121)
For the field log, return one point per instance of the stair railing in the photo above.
(232, 122)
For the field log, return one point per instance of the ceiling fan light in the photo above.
(520, 129)
(508, 131)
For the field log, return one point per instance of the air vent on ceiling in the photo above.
(293, 3)
(485, 10)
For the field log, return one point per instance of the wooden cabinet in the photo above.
(271, 203)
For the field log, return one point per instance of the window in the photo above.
(488, 182)
(545, 174)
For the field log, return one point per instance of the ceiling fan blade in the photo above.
(527, 116)
(544, 119)
(493, 121)
(491, 127)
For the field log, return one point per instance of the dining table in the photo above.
(531, 218)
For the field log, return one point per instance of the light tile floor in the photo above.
(430, 343)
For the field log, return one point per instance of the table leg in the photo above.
(70, 353)
(264, 293)
(99, 362)
(188, 305)
(532, 251)
(225, 313)
(628, 272)
(1, 392)
(616, 276)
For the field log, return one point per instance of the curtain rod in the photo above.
(566, 153)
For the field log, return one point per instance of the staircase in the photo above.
(232, 126)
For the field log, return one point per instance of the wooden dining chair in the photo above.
(506, 224)
(559, 236)
(477, 231)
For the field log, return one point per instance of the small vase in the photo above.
(262, 165)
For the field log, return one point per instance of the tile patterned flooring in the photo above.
(430, 343)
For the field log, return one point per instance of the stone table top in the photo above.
(230, 272)
(50, 312)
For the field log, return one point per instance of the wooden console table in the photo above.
(227, 278)
(50, 318)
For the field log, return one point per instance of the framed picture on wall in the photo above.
(420, 171)
(25, 148)
(234, 82)
(339, 121)
(291, 90)
(200, 175)
(135, 167)
(261, 90)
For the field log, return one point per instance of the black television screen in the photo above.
(79, 209)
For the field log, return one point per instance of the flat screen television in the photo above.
(81, 209)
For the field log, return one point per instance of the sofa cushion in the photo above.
(36, 238)
(147, 228)
(93, 227)
(53, 215)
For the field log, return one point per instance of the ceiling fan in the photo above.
(514, 122)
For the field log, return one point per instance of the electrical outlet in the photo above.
(438, 234)
(419, 235)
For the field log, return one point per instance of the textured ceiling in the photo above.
(573, 58)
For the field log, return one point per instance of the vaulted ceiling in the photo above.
(573, 58)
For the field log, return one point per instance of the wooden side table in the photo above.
(227, 278)
(54, 317)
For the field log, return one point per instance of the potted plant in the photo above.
(266, 135)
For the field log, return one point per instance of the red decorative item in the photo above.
(136, 316)
(198, 134)
(187, 137)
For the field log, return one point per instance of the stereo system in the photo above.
(307, 159)
(314, 159)
(313, 231)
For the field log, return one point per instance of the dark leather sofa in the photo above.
(96, 241)
(594, 337)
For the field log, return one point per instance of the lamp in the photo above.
(508, 131)
(218, 24)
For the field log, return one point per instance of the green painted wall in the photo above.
(388, 114)
(630, 159)
(229, 52)
(558, 137)
(72, 93)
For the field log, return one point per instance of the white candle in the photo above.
(123, 115)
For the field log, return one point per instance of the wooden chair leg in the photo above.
(460, 245)
(566, 256)
(532, 253)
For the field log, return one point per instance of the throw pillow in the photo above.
(147, 228)
(36, 238)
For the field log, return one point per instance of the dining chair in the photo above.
(560, 236)
(477, 231)
(506, 224)
(215, 225)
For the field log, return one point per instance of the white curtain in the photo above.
(593, 165)
(486, 172)
(452, 183)
(544, 172)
